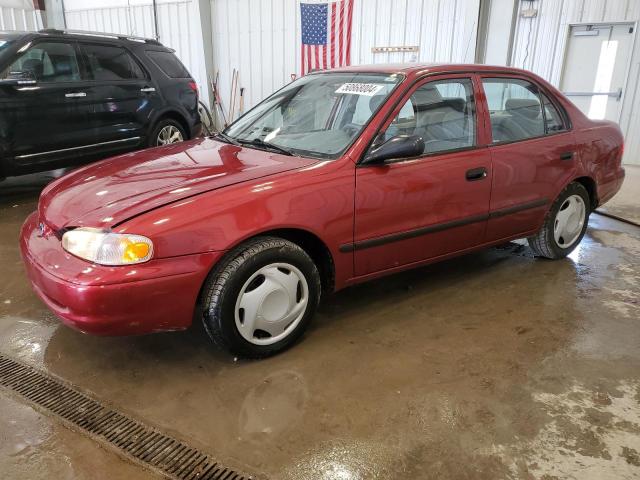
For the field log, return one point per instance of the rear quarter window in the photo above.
(169, 64)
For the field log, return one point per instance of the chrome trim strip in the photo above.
(131, 139)
(438, 227)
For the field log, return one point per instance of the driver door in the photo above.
(50, 119)
(408, 210)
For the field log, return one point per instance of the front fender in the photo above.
(316, 199)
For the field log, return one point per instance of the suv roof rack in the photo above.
(117, 36)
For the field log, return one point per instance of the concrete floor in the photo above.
(494, 365)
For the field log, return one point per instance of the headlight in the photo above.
(107, 248)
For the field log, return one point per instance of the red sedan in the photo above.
(337, 178)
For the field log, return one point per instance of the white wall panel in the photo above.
(544, 38)
(18, 16)
(178, 28)
(261, 38)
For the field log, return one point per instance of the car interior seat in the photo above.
(33, 66)
(375, 102)
(441, 122)
(63, 69)
(521, 119)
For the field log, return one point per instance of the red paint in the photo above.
(333, 34)
(348, 35)
(198, 199)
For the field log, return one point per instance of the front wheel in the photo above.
(261, 298)
(565, 224)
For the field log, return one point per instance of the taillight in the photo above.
(193, 86)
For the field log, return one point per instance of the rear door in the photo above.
(533, 154)
(420, 208)
(48, 120)
(121, 94)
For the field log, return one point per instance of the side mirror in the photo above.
(400, 146)
(16, 79)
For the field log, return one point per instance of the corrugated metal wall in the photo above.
(539, 46)
(178, 28)
(261, 38)
(20, 18)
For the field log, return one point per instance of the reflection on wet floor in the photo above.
(493, 365)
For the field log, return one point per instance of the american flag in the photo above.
(326, 34)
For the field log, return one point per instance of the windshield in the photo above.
(5, 41)
(319, 115)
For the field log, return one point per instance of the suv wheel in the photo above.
(565, 223)
(260, 300)
(167, 132)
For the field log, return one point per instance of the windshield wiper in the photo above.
(227, 138)
(261, 143)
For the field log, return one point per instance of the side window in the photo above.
(554, 119)
(108, 63)
(168, 63)
(514, 109)
(46, 62)
(441, 112)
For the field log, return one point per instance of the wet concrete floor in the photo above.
(494, 365)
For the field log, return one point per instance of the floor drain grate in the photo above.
(147, 445)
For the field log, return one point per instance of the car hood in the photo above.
(112, 191)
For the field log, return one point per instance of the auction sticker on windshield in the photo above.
(368, 89)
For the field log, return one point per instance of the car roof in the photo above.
(86, 35)
(411, 69)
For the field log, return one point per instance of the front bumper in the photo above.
(156, 296)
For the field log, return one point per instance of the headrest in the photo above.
(426, 96)
(523, 106)
(457, 104)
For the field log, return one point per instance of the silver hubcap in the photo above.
(169, 134)
(271, 303)
(569, 221)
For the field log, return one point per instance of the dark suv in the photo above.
(70, 97)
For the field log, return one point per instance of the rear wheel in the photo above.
(261, 298)
(166, 132)
(565, 224)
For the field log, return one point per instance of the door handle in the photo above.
(75, 95)
(147, 89)
(566, 156)
(476, 174)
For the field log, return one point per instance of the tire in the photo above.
(164, 126)
(268, 275)
(552, 244)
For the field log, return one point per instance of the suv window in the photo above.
(441, 112)
(514, 108)
(169, 64)
(107, 63)
(46, 62)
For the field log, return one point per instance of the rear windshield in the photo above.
(169, 64)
